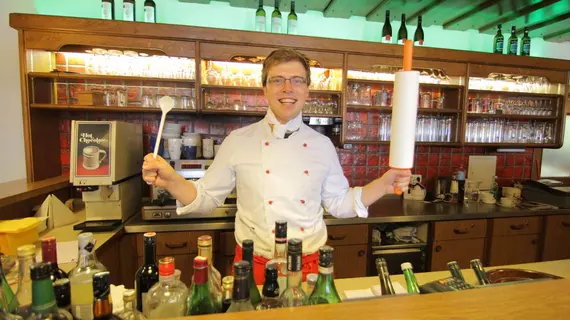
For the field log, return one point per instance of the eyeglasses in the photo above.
(280, 81)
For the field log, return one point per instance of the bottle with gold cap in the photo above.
(130, 312)
(227, 288)
(26, 258)
(214, 277)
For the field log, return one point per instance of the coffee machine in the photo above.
(105, 165)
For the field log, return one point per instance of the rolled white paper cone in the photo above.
(404, 114)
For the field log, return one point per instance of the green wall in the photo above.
(222, 15)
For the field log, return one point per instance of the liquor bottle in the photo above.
(294, 296)
(419, 35)
(247, 249)
(280, 253)
(147, 274)
(49, 253)
(311, 282)
(4, 313)
(102, 305)
(276, 19)
(129, 10)
(325, 290)
(108, 9)
(168, 297)
(240, 297)
(201, 301)
(499, 41)
(403, 31)
(385, 282)
(455, 270)
(81, 277)
(513, 42)
(525, 43)
(387, 29)
(130, 312)
(411, 282)
(292, 20)
(214, 277)
(480, 273)
(8, 300)
(44, 305)
(260, 18)
(62, 290)
(228, 288)
(26, 258)
(149, 11)
(270, 289)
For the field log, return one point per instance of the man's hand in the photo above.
(158, 172)
(386, 184)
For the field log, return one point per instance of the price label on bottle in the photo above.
(276, 25)
(128, 12)
(292, 26)
(106, 11)
(387, 39)
(149, 14)
(260, 23)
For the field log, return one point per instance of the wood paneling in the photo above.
(461, 251)
(350, 261)
(516, 226)
(46, 155)
(505, 250)
(345, 235)
(20, 190)
(556, 238)
(462, 229)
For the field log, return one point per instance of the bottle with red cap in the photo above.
(49, 254)
(167, 298)
(201, 302)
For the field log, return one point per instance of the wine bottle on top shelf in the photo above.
(108, 9)
(292, 20)
(149, 11)
(387, 29)
(129, 10)
(276, 19)
(260, 18)
(513, 42)
(499, 41)
(403, 31)
(525, 43)
(419, 34)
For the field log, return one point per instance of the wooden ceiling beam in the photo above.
(423, 10)
(542, 24)
(375, 9)
(516, 14)
(482, 6)
(556, 34)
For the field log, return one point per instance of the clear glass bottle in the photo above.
(294, 296)
(49, 253)
(4, 313)
(44, 305)
(102, 305)
(325, 290)
(411, 282)
(214, 276)
(240, 296)
(62, 290)
(292, 20)
(270, 291)
(147, 274)
(81, 277)
(228, 288)
(26, 258)
(280, 253)
(260, 18)
(276, 18)
(201, 300)
(385, 282)
(130, 312)
(8, 298)
(247, 250)
(168, 297)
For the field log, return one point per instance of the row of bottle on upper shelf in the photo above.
(513, 43)
(129, 10)
(402, 31)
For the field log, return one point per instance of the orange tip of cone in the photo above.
(408, 52)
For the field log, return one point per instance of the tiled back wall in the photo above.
(361, 163)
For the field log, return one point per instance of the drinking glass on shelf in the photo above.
(472, 191)
(212, 76)
(147, 101)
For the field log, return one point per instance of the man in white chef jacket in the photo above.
(281, 169)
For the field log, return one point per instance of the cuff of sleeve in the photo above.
(361, 210)
(182, 209)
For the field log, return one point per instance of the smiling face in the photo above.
(286, 98)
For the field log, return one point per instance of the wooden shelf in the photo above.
(104, 108)
(509, 93)
(20, 190)
(512, 145)
(64, 75)
(511, 116)
(322, 115)
(432, 85)
(418, 143)
(235, 112)
(357, 107)
(210, 86)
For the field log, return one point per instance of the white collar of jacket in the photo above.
(279, 129)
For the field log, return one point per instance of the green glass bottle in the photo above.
(292, 20)
(44, 305)
(513, 42)
(254, 296)
(525, 43)
(260, 18)
(480, 273)
(455, 270)
(499, 41)
(276, 19)
(411, 282)
(201, 301)
(8, 294)
(325, 290)
(4, 314)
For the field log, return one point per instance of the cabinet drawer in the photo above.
(514, 249)
(171, 243)
(343, 235)
(516, 226)
(464, 229)
(557, 238)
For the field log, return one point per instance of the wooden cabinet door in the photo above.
(224, 264)
(462, 251)
(557, 238)
(350, 261)
(513, 249)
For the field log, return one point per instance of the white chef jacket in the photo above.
(278, 179)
